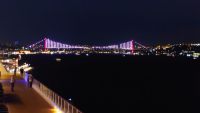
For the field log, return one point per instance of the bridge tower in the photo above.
(133, 46)
(45, 44)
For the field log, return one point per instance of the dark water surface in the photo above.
(117, 84)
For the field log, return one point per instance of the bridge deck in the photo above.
(24, 99)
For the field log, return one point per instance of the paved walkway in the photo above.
(24, 99)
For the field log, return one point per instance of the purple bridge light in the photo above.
(47, 43)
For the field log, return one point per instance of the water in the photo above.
(118, 84)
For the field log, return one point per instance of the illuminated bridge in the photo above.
(48, 44)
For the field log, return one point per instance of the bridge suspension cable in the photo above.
(47, 43)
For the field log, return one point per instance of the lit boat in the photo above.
(58, 59)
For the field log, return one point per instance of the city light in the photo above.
(70, 99)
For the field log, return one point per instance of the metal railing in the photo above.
(56, 99)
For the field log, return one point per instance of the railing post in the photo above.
(64, 108)
(50, 95)
(62, 104)
(68, 107)
(58, 101)
(47, 92)
(54, 97)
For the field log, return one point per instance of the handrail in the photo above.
(56, 99)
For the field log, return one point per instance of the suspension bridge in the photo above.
(48, 44)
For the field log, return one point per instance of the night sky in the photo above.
(100, 22)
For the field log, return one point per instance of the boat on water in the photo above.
(58, 59)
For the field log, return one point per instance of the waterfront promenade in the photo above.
(23, 99)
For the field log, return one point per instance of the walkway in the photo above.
(24, 99)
